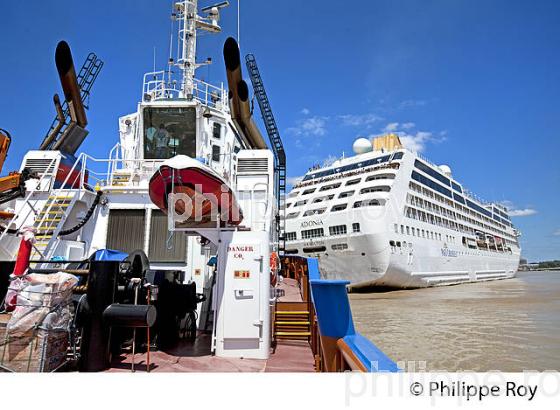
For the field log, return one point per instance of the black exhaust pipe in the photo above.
(69, 81)
(238, 93)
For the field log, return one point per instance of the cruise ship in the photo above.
(388, 217)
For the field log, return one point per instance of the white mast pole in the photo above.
(187, 34)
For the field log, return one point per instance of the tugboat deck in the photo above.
(287, 356)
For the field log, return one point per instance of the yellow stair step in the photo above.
(292, 333)
(287, 312)
(292, 323)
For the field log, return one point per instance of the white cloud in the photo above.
(391, 127)
(556, 232)
(416, 142)
(294, 180)
(315, 126)
(359, 120)
(305, 111)
(408, 125)
(522, 212)
(513, 210)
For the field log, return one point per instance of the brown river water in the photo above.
(506, 325)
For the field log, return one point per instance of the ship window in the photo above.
(432, 184)
(456, 187)
(397, 155)
(300, 203)
(337, 230)
(431, 172)
(126, 229)
(323, 198)
(169, 131)
(308, 191)
(217, 130)
(215, 152)
(331, 186)
(159, 251)
(314, 212)
(346, 194)
(292, 215)
(315, 249)
(339, 207)
(355, 227)
(371, 202)
(291, 251)
(291, 236)
(382, 176)
(382, 188)
(339, 246)
(312, 233)
(353, 181)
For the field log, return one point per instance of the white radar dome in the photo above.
(445, 169)
(362, 145)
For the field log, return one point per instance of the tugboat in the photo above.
(192, 194)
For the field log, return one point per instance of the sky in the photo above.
(473, 84)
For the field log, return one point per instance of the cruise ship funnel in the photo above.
(238, 93)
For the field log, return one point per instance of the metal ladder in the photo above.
(86, 77)
(275, 142)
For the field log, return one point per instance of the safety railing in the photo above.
(49, 173)
(156, 87)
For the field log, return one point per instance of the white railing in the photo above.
(155, 87)
(50, 172)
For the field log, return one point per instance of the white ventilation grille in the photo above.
(40, 165)
(252, 166)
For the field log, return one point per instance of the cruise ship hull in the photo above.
(425, 266)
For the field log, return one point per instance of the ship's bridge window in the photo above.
(169, 131)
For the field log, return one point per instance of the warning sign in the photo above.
(241, 274)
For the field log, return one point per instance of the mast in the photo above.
(189, 22)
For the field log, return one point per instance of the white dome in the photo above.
(362, 145)
(445, 169)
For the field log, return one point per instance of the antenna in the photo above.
(185, 12)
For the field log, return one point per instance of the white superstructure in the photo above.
(388, 217)
(108, 199)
